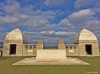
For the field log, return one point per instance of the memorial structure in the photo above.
(85, 44)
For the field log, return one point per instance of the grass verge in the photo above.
(7, 68)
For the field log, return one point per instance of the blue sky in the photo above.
(49, 20)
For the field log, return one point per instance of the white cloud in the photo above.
(18, 16)
(21, 15)
(47, 36)
(54, 33)
(26, 16)
(38, 21)
(65, 23)
(94, 24)
(93, 4)
(55, 2)
(8, 19)
(34, 22)
(11, 6)
(47, 32)
(49, 14)
(97, 7)
(13, 19)
(22, 19)
(65, 33)
(82, 3)
(77, 20)
(81, 16)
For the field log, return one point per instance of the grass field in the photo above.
(7, 68)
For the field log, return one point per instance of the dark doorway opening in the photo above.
(88, 49)
(12, 49)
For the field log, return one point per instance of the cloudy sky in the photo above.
(49, 20)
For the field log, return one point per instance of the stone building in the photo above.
(13, 43)
(85, 44)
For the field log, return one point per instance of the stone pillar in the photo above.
(39, 45)
(61, 45)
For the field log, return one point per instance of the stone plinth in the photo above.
(51, 55)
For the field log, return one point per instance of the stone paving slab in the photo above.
(68, 61)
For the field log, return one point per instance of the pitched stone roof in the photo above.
(85, 34)
(15, 35)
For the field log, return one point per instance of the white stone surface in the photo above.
(68, 61)
(14, 35)
(84, 35)
(87, 35)
(51, 55)
(71, 51)
(29, 50)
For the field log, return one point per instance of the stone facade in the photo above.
(94, 49)
(85, 44)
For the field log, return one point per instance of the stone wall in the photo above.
(6, 48)
(72, 49)
(95, 48)
(29, 50)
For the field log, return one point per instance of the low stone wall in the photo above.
(29, 50)
(72, 49)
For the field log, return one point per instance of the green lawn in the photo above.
(7, 68)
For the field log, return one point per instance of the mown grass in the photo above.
(7, 68)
